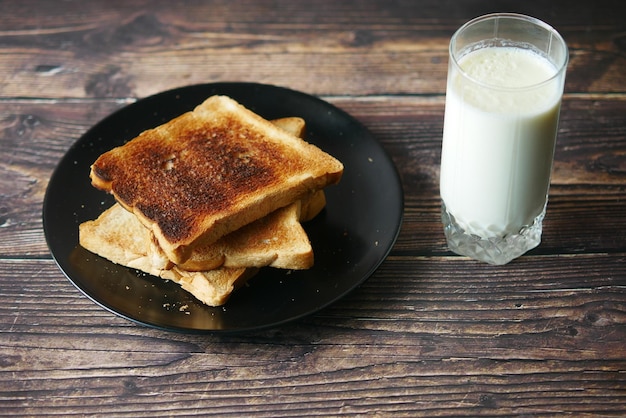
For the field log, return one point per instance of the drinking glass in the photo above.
(505, 82)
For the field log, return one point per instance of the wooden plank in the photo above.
(134, 50)
(457, 331)
(527, 295)
(34, 136)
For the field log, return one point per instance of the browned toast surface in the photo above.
(209, 172)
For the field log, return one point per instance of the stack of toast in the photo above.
(208, 198)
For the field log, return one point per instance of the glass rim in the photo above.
(511, 16)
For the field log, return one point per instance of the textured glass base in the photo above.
(499, 250)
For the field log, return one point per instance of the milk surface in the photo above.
(499, 140)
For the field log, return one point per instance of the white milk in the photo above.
(498, 143)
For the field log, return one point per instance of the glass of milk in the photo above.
(505, 81)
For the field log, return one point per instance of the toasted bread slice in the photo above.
(118, 236)
(209, 172)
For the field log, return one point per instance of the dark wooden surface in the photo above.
(430, 333)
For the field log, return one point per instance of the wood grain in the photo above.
(130, 49)
(453, 330)
(430, 333)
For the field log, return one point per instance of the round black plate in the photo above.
(350, 238)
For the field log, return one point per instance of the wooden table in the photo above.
(430, 333)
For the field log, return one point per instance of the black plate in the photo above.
(350, 238)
